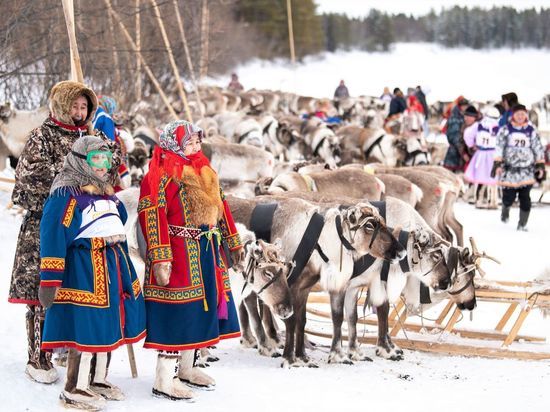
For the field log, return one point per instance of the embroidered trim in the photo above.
(69, 213)
(52, 264)
(182, 231)
(233, 241)
(145, 203)
(99, 297)
(92, 348)
(136, 288)
(160, 254)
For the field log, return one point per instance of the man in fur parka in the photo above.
(72, 106)
(184, 217)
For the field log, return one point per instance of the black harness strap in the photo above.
(340, 232)
(385, 271)
(261, 220)
(403, 238)
(266, 128)
(452, 261)
(424, 294)
(245, 135)
(306, 246)
(318, 146)
(321, 253)
(366, 261)
(373, 145)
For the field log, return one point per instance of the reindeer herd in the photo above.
(338, 207)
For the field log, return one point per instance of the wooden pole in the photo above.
(116, 86)
(143, 62)
(138, 45)
(290, 31)
(188, 56)
(205, 18)
(181, 92)
(76, 69)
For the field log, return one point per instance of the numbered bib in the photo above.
(485, 139)
(518, 139)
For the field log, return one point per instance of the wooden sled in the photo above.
(492, 343)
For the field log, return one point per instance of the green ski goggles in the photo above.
(98, 158)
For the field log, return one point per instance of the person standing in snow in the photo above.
(72, 106)
(518, 163)
(454, 127)
(88, 284)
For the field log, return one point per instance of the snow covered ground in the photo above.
(446, 73)
(248, 382)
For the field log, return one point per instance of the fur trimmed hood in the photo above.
(62, 97)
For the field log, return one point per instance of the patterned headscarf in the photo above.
(77, 172)
(108, 103)
(168, 157)
(176, 136)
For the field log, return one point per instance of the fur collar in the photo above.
(94, 190)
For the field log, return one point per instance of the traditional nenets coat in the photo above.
(88, 284)
(482, 136)
(184, 218)
(520, 154)
(40, 161)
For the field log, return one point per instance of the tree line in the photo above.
(34, 47)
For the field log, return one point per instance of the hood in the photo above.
(62, 96)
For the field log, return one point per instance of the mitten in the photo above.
(540, 172)
(46, 295)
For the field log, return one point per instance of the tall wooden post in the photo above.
(188, 56)
(181, 92)
(205, 18)
(138, 45)
(76, 68)
(290, 31)
(146, 67)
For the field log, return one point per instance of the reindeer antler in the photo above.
(476, 256)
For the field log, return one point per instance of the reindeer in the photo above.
(262, 280)
(15, 126)
(340, 182)
(289, 222)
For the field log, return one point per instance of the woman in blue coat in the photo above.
(87, 282)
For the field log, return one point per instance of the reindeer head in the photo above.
(6, 111)
(265, 271)
(287, 133)
(368, 233)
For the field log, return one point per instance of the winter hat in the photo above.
(462, 102)
(492, 112)
(62, 96)
(519, 107)
(471, 111)
(108, 103)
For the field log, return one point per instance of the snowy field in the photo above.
(445, 73)
(248, 382)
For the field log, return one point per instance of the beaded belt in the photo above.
(192, 233)
(182, 231)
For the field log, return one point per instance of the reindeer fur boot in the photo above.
(77, 393)
(39, 367)
(166, 384)
(99, 384)
(192, 375)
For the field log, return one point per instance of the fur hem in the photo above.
(94, 190)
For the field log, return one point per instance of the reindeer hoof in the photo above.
(356, 355)
(249, 343)
(275, 355)
(212, 358)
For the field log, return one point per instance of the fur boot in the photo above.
(166, 384)
(99, 383)
(192, 375)
(77, 393)
(39, 367)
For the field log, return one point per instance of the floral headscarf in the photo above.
(176, 136)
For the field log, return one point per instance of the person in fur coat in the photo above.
(72, 106)
(185, 220)
(88, 284)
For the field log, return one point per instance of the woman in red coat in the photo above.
(185, 218)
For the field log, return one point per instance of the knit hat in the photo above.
(471, 111)
(519, 107)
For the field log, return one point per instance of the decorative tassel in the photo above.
(205, 305)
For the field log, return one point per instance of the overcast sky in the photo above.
(359, 8)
